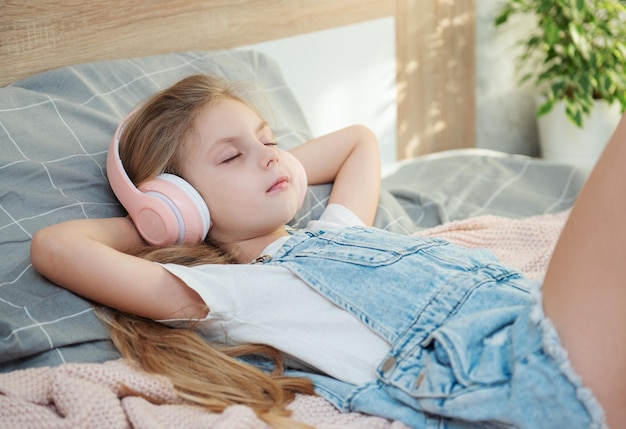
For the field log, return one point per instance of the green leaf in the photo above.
(501, 19)
(606, 84)
(618, 79)
(551, 31)
(557, 87)
(621, 97)
(544, 6)
(574, 115)
(586, 103)
(576, 33)
(621, 49)
(534, 41)
(584, 82)
(580, 5)
(545, 107)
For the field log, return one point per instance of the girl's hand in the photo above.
(91, 258)
(350, 159)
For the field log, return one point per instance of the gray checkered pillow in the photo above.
(55, 129)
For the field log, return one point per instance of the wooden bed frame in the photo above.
(434, 45)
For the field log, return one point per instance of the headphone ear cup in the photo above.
(187, 218)
(165, 210)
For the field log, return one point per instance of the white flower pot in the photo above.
(562, 141)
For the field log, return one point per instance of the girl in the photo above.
(408, 328)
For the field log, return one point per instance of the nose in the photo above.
(269, 155)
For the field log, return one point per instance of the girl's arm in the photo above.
(349, 158)
(88, 257)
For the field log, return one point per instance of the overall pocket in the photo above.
(461, 371)
(475, 349)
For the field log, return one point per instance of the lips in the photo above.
(281, 183)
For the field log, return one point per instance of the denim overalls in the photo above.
(470, 345)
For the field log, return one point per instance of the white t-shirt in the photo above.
(271, 305)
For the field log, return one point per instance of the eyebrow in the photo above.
(262, 125)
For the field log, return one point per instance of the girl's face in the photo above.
(234, 163)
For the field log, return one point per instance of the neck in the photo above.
(248, 250)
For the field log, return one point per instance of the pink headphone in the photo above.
(167, 209)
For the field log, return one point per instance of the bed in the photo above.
(71, 71)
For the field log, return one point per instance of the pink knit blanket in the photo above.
(525, 244)
(94, 396)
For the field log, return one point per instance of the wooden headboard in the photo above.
(434, 45)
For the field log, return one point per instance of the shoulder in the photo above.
(226, 289)
(336, 216)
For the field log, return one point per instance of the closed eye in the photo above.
(237, 155)
(230, 159)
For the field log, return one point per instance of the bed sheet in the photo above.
(54, 132)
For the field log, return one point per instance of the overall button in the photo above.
(388, 364)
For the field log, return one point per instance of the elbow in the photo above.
(43, 250)
(38, 251)
(368, 141)
(366, 135)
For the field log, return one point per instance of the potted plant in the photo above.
(576, 59)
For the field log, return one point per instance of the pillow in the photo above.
(55, 129)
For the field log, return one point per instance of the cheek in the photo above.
(225, 198)
(230, 217)
(211, 185)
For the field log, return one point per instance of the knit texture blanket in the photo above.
(117, 395)
(525, 244)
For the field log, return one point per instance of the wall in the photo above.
(347, 75)
(344, 76)
(505, 112)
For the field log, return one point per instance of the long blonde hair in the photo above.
(151, 143)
